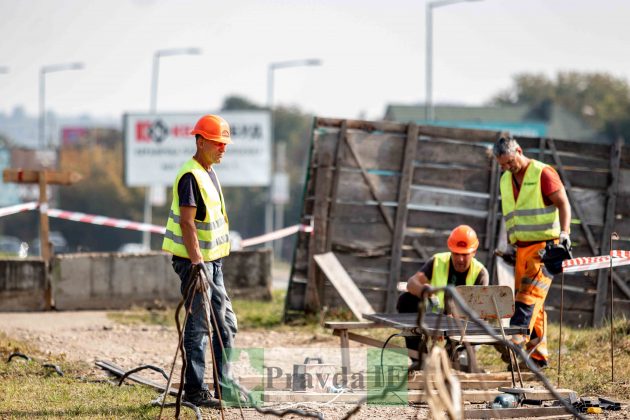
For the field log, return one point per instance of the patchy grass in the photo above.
(31, 391)
(585, 359)
(251, 315)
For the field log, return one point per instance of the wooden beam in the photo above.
(344, 285)
(493, 208)
(609, 220)
(425, 130)
(406, 177)
(414, 396)
(27, 176)
(352, 325)
(574, 203)
(511, 413)
(371, 186)
(315, 284)
(420, 250)
(386, 126)
(418, 376)
(335, 183)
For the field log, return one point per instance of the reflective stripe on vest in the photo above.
(439, 276)
(213, 231)
(528, 219)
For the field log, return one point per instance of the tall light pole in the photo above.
(279, 211)
(42, 94)
(429, 108)
(155, 74)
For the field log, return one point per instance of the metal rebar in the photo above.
(560, 334)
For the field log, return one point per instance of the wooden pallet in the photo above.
(412, 396)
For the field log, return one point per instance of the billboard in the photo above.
(156, 145)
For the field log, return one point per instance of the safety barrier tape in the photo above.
(104, 221)
(595, 263)
(272, 236)
(620, 253)
(144, 227)
(5, 211)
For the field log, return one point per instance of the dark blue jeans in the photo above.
(196, 330)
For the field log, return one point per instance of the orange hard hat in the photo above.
(463, 240)
(213, 127)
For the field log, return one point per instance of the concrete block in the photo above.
(22, 285)
(113, 280)
(247, 274)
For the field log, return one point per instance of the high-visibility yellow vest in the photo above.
(528, 219)
(213, 231)
(439, 276)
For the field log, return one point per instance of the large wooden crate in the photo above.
(384, 196)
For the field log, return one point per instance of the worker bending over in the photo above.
(459, 267)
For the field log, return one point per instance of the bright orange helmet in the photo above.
(213, 127)
(463, 240)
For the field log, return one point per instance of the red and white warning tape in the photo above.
(144, 227)
(620, 253)
(272, 236)
(595, 263)
(104, 221)
(5, 211)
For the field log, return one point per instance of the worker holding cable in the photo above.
(537, 214)
(197, 234)
(459, 267)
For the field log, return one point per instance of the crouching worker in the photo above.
(459, 267)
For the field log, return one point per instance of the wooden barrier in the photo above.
(383, 197)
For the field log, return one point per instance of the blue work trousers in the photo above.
(196, 329)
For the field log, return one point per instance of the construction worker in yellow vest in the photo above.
(197, 232)
(459, 267)
(536, 211)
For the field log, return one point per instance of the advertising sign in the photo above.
(156, 145)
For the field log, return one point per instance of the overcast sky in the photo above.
(373, 52)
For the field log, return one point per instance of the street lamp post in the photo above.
(155, 73)
(42, 94)
(429, 107)
(279, 210)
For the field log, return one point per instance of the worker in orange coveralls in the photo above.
(536, 211)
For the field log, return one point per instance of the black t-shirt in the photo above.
(455, 278)
(190, 196)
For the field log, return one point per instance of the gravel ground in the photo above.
(89, 336)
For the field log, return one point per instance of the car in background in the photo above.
(60, 245)
(133, 248)
(10, 246)
(235, 241)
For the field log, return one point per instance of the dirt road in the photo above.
(89, 336)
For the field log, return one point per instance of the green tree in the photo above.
(101, 192)
(600, 99)
(246, 205)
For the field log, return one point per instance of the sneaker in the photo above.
(202, 398)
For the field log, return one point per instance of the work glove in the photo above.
(565, 240)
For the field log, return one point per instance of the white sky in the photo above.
(373, 52)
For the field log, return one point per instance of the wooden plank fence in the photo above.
(384, 196)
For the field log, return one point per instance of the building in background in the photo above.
(21, 129)
(550, 120)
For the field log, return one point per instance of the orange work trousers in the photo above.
(531, 284)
